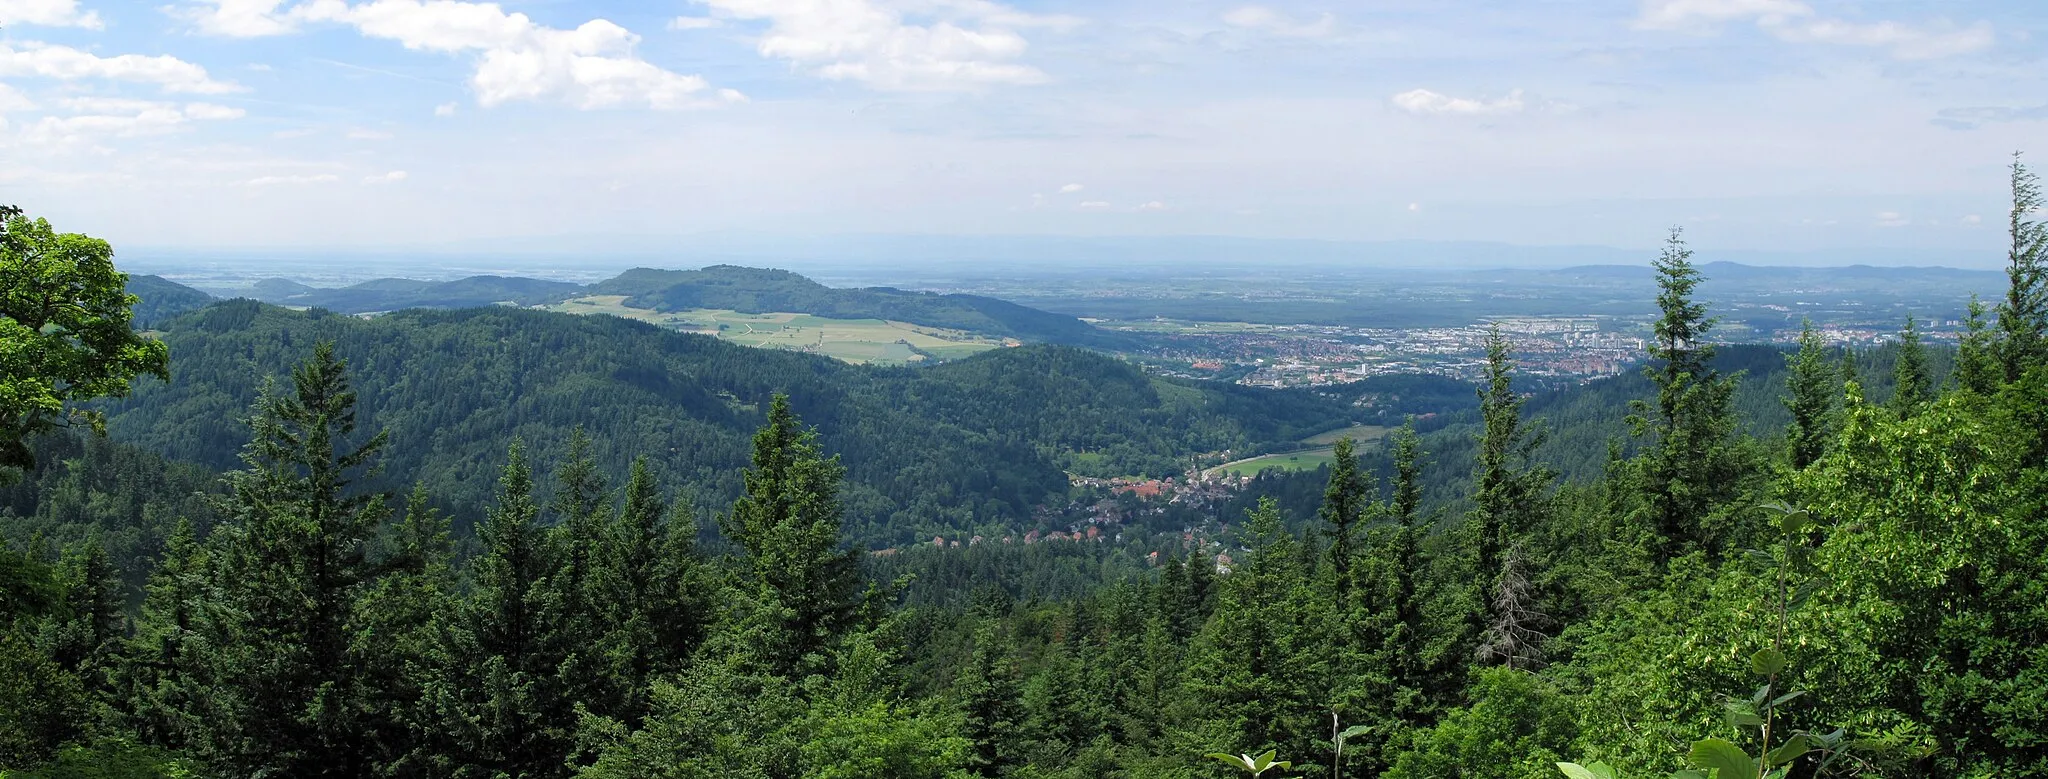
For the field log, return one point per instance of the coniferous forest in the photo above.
(1852, 581)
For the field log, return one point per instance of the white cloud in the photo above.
(1794, 21)
(692, 23)
(237, 18)
(1973, 219)
(591, 66)
(1093, 205)
(388, 178)
(107, 117)
(1414, 206)
(966, 44)
(369, 135)
(1071, 189)
(1267, 20)
(1426, 102)
(63, 62)
(12, 99)
(1152, 206)
(47, 13)
(444, 109)
(1705, 15)
(1892, 219)
(267, 181)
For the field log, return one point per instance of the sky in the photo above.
(1776, 125)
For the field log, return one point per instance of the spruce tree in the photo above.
(1813, 395)
(1344, 502)
(1690, 469)
(166, 673)
(506, 714)
(987, 695)
(1504, 490)
(399, 624)
(1977, 362)
(292, 563)
(1911, 386)
(2023, 317)
(787, 523)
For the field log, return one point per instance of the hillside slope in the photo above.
(395, 294)
(755, 290)
(980, 441)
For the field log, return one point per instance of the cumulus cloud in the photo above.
(106, 117)
(693, 23)
(271, 181)
(386, 178)
(237, 18)
(1093, 205)
(591, 66)
(47, 13)
(444, 109)
(1973, 219)
(1071, 189)
(65, 63)
(1423, 102)
(1794, 21)
(1892, 219)
(1262, 19)
(961, 44)
(1152, 206)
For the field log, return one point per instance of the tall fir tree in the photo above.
(167, 670)
(2023, 317)
(505, 711)
(1911, 387)
(292, 562)
(1690, 469)
(397, 635)
(1345, 499)
(1977, 359)
(1813, 392)
(988, 695)
(1505, 490)
(787, 522)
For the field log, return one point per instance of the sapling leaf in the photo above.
(1767, 662)
(1789, 751)
(1576, 771)
(1782, 699)
(1725, 759)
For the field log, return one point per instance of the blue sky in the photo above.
(1764, 124)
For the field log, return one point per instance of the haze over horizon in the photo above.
(1789, 128)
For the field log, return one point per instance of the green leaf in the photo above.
(1576, 771)
(1767, 662)
(1352, 732)
(1689, 774)
(1794, 522)
(1726, 760)
(1603, 770)
(1789, 751)
(1741, 715)
(1782, 699)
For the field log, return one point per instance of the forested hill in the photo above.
(395, 294)
(755, 290)
(971, 444)
(161, 299)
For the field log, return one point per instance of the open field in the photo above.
(1357, 433)
(852, 340)
(1305, 460)
(1320, 454)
